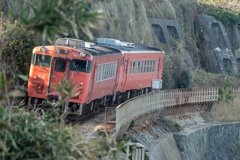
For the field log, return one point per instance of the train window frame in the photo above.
(105, 71)
(156, 64)
(112, 70)
(56, 65)
(88, 65)
(35, 62)
(122, 60)
(102, 75)
(142, 66)
(106, 76)
(126, 63)
(145, 66)
(115, 67)
(99, 74)
(96, 79)
(134, 66)
(131, 67)
(153, 65)
(139, 66)
(109, 71)
(148, 65)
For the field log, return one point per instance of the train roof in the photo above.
(104, 50)
(106, 46)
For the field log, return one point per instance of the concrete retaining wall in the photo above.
(219, 54)
(210, 142)
(166, 149)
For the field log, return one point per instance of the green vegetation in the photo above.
(124, 139)
(225, 94)
(18, 52)
(25, 135)
(227, 12)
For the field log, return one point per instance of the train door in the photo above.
(59, 70)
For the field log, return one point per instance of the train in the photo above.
(107, 72)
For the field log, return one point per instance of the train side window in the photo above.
(106, 76)
(145, 66)
(60, 65)
(148, 64)
(126, 66)
(122, 60)
(105, 71)
(131, 66)
(142, 66)
(97, 73)
(134, 65)
(139, 66)
(109, 70)
(155, 69)
(153, 65)
(102, 76)
(115, 67)
(100, 73)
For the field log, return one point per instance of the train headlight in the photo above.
(83, 54)
(43, 49)
(34, 77)
(81, 83)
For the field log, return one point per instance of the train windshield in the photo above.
(41, 60)
(81, 65)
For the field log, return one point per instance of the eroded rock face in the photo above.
(212, 142)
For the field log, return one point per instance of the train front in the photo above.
(51, 67)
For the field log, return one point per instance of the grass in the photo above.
(227, 12)
(226, 112)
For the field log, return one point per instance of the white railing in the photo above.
(149, 105)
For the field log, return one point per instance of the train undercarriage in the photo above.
(77, 110)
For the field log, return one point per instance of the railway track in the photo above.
(87, 124)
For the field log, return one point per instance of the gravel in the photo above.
(86, 126)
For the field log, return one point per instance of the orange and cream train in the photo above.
(105, 72)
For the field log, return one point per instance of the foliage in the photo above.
(59, 17)
(226, 11)
(225, 94)
(18, 53)
(185, 79)
(124, 139)
(24, 135)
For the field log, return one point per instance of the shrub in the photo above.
(227, 12)
(24, 135)
(18, 53)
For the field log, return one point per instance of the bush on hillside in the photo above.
(18, 53)
(24, 135)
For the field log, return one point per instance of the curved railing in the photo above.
(149, 105)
